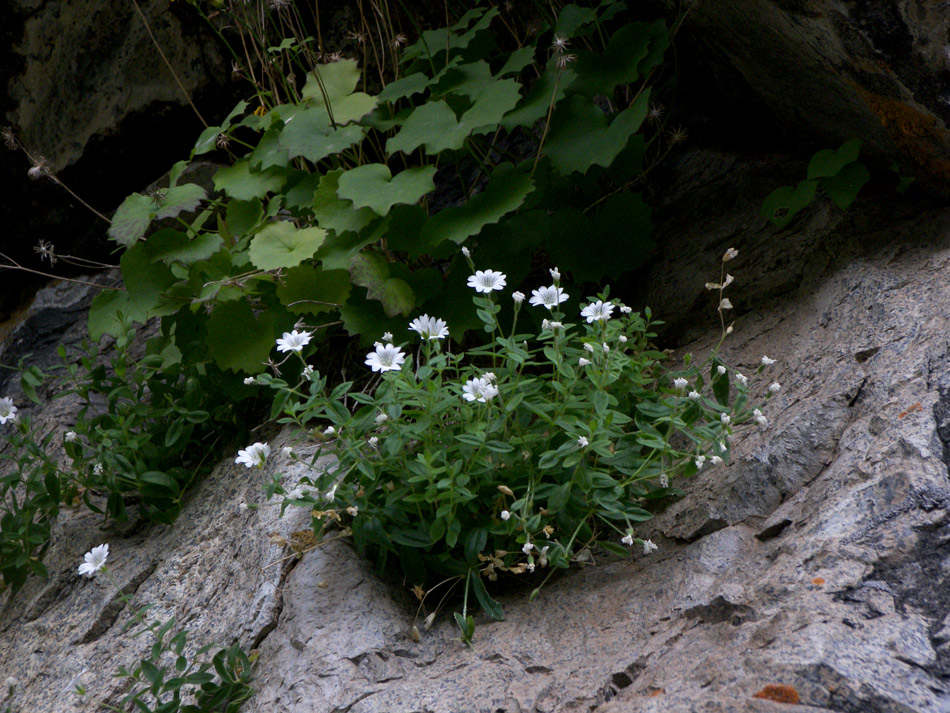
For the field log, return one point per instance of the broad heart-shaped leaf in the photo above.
(617, 240)
(312, 136)
(282, 244)
(333, 84)
(365, 318)
(572, 18)
(136, 213)
(145, 282)
(335, 213)
(829, 162)
(168, 245)
(407, 86)
(538, 100)
(312, 290)
(844, 186)
(373, 186)
(240, 182)
(434, 123)
(504, 194)
(339, 249)
(269, 152)
(180, 199)
(434, 42)
(370, 270)
(620, 62)
(239, 339)
(581, 137)
(132, 219)
(783, 204)
(243, 216)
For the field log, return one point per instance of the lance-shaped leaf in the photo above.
(373, 186)
(435, 125)
(581, 135)
(282, 244)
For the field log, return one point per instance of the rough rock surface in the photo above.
(811, 569)
(836, 70)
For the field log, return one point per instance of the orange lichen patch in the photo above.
(818, 581)
(778, 692)
(657, 692)
(911, 409)
(916, 133)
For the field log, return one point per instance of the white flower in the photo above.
(308, 372)
(605, 347)
(774, 387)
(97, 469)
(722, 446)
(649, 547)
(598, 311)
(715, 460)
(387, 337)
(70, 436)
(759, 418)
(429, 327)
(767, 362)
(381, 419)
(729, 254)
(543, 555)
(293, 341)
(555, 274)
(626, 310)
(479, 389)
(505, 515)
(254, 455)
(329, 431)
(385, 358)
(742, 379)
(724, 303)
(353, 510)
(588, 347)
(466, 252)
(10, 682)
(622, 339)
(373, 442)
(721, 370)
(582, 442)
(627, 539)
(487, 280)
(680, 383)
(94, 561)
(549, 297)
(700, 461)
(694, 395)
(242, 506)
(7, 410)
(527, 547)
(724, 417)
(518, 297)
(664, 480)
(490, 376)
(287, 451)
(583, 362)
(249, 380)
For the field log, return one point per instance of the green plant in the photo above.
(145, 430)
(839, 173)
(164, 680)
(514, 457)
(349, 208)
